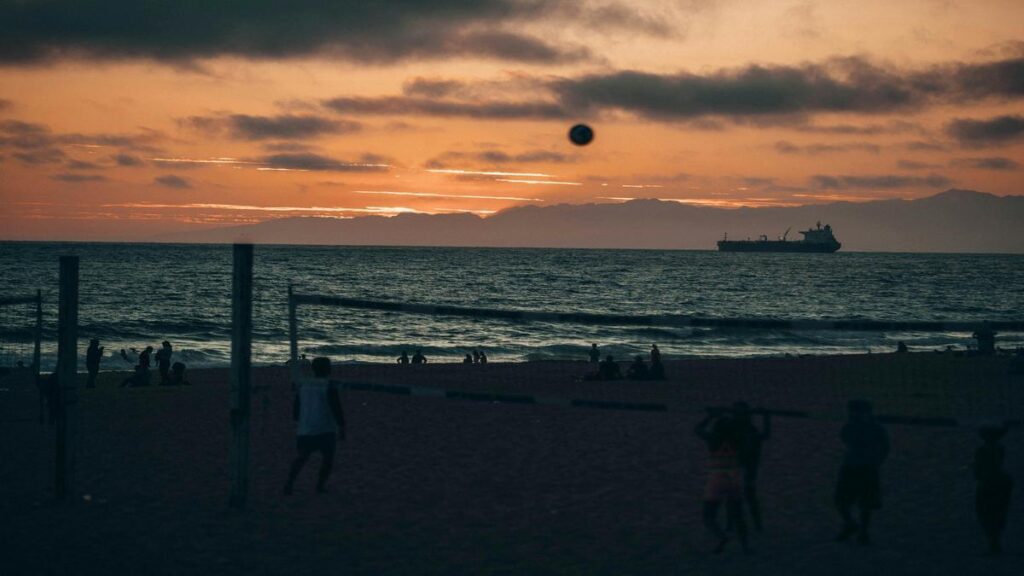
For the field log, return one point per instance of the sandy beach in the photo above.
(436, 486)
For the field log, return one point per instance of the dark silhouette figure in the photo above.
(901, 347)
(48, 390)
(637, 370)
(995, 486)
(867, 446)
(177, 377)
(163, 362)
(419, 358)
(476, 357)
(141, 376)
(750, 442)
(317, 411)
(93, 355)
(595, 354)
(724, 481)
(404, 358)
(608, 369)
(986, 338)
(655, 354)
(483, 357)
(469, 359)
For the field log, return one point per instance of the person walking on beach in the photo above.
(404, 358)
(724, 480)
(750, 442)
(419, 358)
(163, 362)
(93, 355)
(867, 446)
(995, 486)
(141, 376)
(320, 420)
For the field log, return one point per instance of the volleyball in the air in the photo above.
(581, 134)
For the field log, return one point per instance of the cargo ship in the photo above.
(815, 240)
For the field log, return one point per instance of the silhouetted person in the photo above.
(93, 355)
(163, 361)
(469, 359)
(476, 356)
(419, 358)
(608, 369)
(901, 347)
(986, 338)
(483, 357)
(995, 486)
(320, 420)
(724, 481)
(867, 446)
(177, 377)
(637, 370)
(655, 354)
(750, 441)
(595, 354)
(404, 358)
(141, 376)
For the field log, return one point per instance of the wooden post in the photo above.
(293, 327)
(241, 359)
(67, 379)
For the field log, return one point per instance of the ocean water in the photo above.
(133, 295)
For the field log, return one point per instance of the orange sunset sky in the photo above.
(124, 119)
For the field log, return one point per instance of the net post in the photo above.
(37, 337)
(66, 394)
(241, 359)
(293, 326)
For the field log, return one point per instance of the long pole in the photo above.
(241, 360)
(66, 404)
(37, 336)
(293, 327)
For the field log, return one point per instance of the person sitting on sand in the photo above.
(637, 370)
(867, 446)
(995, 486)
(476, 357)
(93, 355)
(163, 361)
(419, 358)
(901, 347)
(320, 420)
(483, 357)
(724, 480)
(141, 375)
(608, 369)
(595, 354)
(468, 359)
(751, 440)
(404, 358)
(177, 377)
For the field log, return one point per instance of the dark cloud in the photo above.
(285, 126)
(879, 182)
(915, 165)
(287, 147)
(416, 106)
(924, 146)
(78, 178)
(996, 131)
(172, 181)
(496, 157)
(30, 136)
(316, 162)
(82, 165)
(431, 87)
(990, 163)
(784, 147)
(40, 156)
(5, 104)
(128, 160)
(379, 31)
(891, 127)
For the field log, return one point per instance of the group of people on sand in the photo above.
(734, 449)
(608, 369)
(171, 374)
(417, 358)
(477, 357)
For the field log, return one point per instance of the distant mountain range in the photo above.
(952, 221)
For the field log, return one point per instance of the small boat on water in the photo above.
(820, 240)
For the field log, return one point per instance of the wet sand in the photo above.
(435, 486)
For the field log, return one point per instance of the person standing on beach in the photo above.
(867, 446)
(750, 441)
(320, 420)
(595, 354)
(163, 362)
(995, 486)
(724, 481)
(93, 355)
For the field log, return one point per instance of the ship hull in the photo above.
(777, 246)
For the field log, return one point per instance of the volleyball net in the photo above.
(792, 368)
(21, 325)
